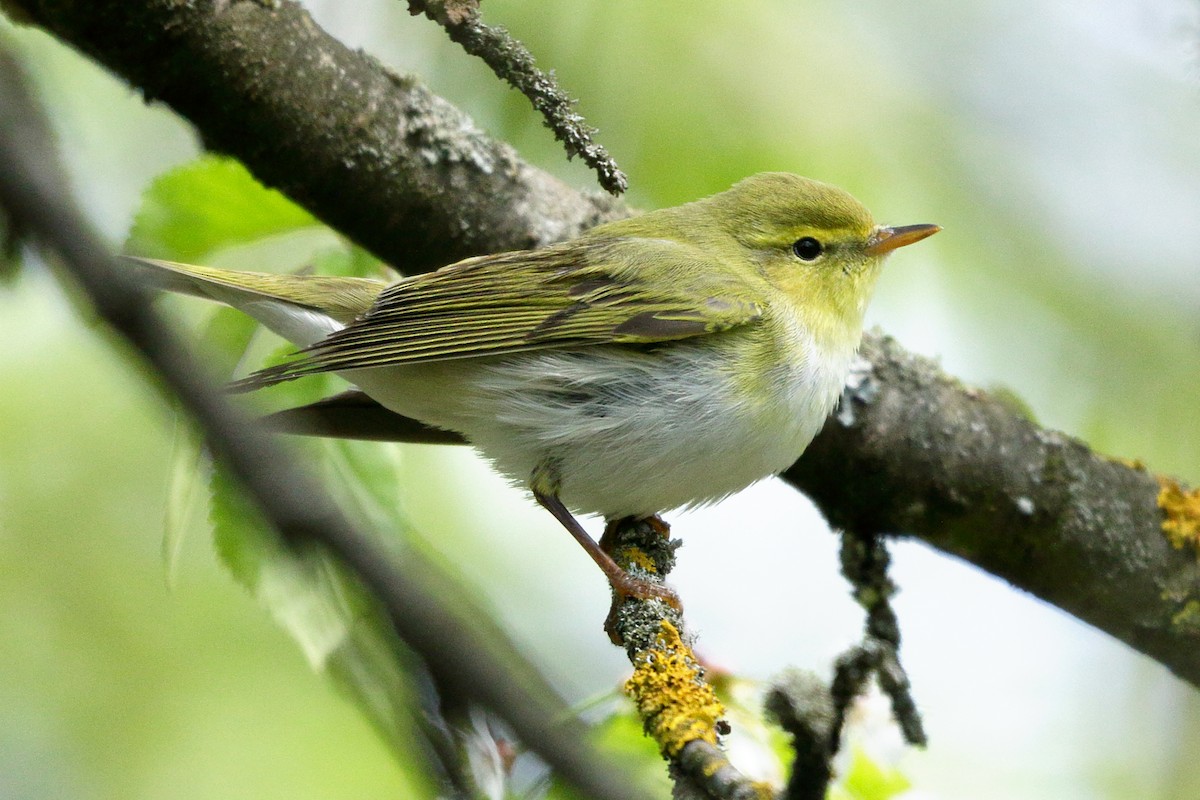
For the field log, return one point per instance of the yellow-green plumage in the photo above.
(343, 299)
(669, 359)
(595, 290)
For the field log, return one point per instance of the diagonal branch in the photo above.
(34, 196)
(407, 175)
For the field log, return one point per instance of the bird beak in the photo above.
(885, 240)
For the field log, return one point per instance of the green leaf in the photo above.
(867, 779)
(208, 204)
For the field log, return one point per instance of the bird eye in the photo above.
(807, 249)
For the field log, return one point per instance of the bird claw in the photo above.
(631, 588)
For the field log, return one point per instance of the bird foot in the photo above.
(631, 588)
(628, 587)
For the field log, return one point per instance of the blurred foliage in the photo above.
(208, 205)
(1055, 145)
(10, 247)
(868, 780)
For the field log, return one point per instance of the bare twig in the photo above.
(865, 563)
(709, 770)
(803, 705)
(464, 655)
(514, 64)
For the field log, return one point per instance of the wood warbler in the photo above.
(666, 360)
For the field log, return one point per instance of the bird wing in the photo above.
(619, 290)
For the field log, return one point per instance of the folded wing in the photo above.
(603, 291)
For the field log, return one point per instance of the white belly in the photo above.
(628, 432)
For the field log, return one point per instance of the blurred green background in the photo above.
(1055, 142)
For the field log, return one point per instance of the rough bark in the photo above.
(914, 452)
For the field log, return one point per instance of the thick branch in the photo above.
(915, 452)
(374, 154)
(391, 166)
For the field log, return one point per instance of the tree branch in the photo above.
(407, 175)
(915, 452)
(373, 154)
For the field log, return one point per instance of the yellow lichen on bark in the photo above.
(1187, 619)
(675, 703)
(1181, 514)
(633, 556)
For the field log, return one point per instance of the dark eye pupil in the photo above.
(807, 249)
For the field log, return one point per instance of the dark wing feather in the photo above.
(591, 291)
(354, 415)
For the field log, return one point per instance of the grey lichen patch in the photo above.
(800, 700)
(440, 134)
(860, 388)
(550, 227)
(640, 621)
(893, 362)
(643, 548)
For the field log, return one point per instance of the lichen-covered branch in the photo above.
(514, 64)
(677, 705)
(915, 452)
(865, 562)
(374, 154)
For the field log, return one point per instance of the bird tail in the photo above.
(341, 298)
(301, 308)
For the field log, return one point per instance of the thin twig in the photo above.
(512, 62)
(709, 770)
(803, 705)
(865, 562)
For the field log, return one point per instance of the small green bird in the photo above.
(663, 361)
